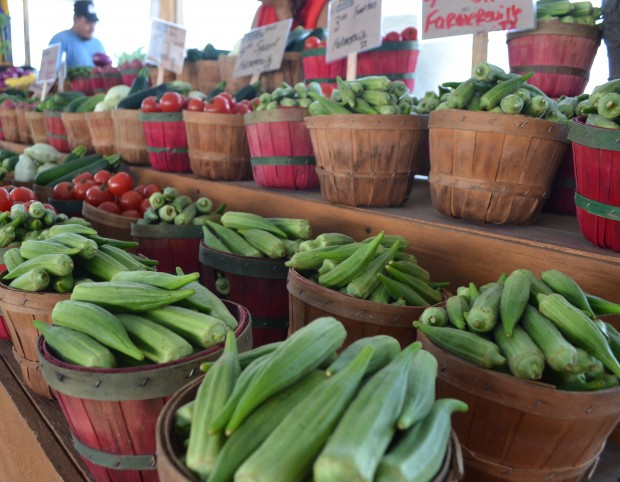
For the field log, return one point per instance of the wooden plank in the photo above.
(31, 449)
(480, 49)
(454, 250)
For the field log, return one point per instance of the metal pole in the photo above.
(26, 32)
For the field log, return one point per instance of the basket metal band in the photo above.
(57, 136)
(171, 150)
(283, 161)
(507, 188)
(115, 386)
(594, 137)
(551, 69)
(161, 117)
(402, 45)
(243, 265)
(115, 461)
(596, 208)
(270, 321)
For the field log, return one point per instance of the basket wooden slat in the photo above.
(101, 132)
(78, 133)
(8, 120)
(129, 140)
(493, 168)
(217, 146)
(367, 160)
(23, 129)
(36, 124)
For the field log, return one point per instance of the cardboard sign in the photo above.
(354, 26)
(49, 64)
(447, 18)
(262, 49)
(167, 45)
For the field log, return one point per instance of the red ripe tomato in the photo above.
(83, 177)
(109, 206)
(131, 213)
(150, 189)
(150, 104)
(221, 104)
(327, 90)
(240, 108)
(212, 109)
(392, 37)
(129, 200)
(98, 194)
(312, 42)
(145, 204)
(5, 200)
(63, 190)
(120, 183)
(27, 204)
(171, 102)
(22, 194)
(228, 96)
(79, 189)
(410, 33)
(140, 189)
(102, 176)
(195, 105)
(49, 206)
(323, 44)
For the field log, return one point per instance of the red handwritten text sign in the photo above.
(447, 18)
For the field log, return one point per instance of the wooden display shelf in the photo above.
(452, 250)
(35, 443)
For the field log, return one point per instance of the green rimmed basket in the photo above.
(166, 141)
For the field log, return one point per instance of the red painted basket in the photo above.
(128, 75)
(112, 413)
(316, 68)
(597, 173)
(96, 79)
(395, 60)
(562, 197)
(259, 284)
(111, 78)
(171, 245)
(82, 84)
(561, 55)
(56, 133)
(166, 141)
(281, 149)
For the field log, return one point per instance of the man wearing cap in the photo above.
(78, 42)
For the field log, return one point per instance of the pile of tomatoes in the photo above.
(114, 193)
(223, 103)
(10, 195)
(408, 34)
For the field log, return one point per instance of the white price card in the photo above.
(447, 18)
(262, 49)
(167, 45)
(49, 64)
(354, 26)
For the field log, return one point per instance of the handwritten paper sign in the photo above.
(354, 26)
(167, 45)
(262, 49)
(49, 64)
(446, 18)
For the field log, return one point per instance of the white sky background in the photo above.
(124, 27)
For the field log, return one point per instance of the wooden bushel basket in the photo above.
(171, 245)
(70, 207)
(23, 129)
(20, 309)
(281, 149)
(129, 140)
(395, 60)
(108, 225)
(367, 160)
(561, 55)
(101, 132)
(8, 119)
(170, 444)
(112, 413)
(519, 430)
(4, 332)
(189, 73)
(208, 75)
(43, 193)
(217, 146)
(36, 124)
(361, 318)
(316, 69)
(259, 284)
(493, 168)
(166, 141)
(56, 132)
(596, 151)
(78, 133)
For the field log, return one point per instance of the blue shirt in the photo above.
(79, 51)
